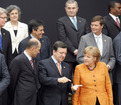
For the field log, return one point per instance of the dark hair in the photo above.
(59, 44)
(112, 5)
(32, 42)
(98, 18)
(34, 24)
(11, 8)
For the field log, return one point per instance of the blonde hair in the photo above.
(94, 51)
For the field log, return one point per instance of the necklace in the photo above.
(91, 69)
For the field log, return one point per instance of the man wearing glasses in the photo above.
(5, 40)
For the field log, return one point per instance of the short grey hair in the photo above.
(11, 8)
(70, 2)
(2, 10)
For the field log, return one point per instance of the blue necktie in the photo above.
(75, 23)
(0, 42)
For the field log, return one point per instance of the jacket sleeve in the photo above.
(5, 77)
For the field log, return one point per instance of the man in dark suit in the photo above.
(55, 77)
(5, 40)
(70, 29)
(24, 76)
(117, 70)
(4, 80)
(113, 20)
(104, 43)
(36, 30)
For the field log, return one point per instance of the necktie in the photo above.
(0, 42)
(59, 68)
(31, 61)
(117, 22)
(98, 44)
(75, 23)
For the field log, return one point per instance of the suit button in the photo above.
(93, 75)
(95, 85)
(94, 80)
(95, 90)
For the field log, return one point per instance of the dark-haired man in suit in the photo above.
(70, 29)
(113, 20)
(55, 77)
(24, 75)
(5, 40)
(36, 30)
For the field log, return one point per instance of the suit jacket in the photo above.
(6, 45)
(23, 87)
(4, 80)
(45, 51)
(69, 35)
(107, 54)
(117, 51)
(22, 33)
(52, 92)
(111, 28)
(94, 84)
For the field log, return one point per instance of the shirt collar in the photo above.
(29, 58)
(54, 59)
(100, 36)
(114, 17)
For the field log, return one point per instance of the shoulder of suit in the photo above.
(105, 36)
(44, 37)
(87, 35)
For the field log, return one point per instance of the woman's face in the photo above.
(14, 15)
(89, 59)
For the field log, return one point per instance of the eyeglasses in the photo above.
(3, 17)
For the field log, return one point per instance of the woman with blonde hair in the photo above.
(93, 76)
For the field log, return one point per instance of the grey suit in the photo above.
(107, 55)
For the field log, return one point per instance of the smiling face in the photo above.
(89, 60)
(60, 54)
(96, 27)
(71, 9)
(14, 15)
(116, 10)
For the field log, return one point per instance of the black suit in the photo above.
(45, 51)
(52, 92)
(117, 70)
(70, 36)
(24, 81)
(111, 28)
(4, 80)
(6, 45)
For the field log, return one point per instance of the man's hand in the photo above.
(63, 80)
(75, 52)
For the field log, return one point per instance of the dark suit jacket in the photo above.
(110, 28)
(69, 35)
(6, 46)
(45, 51)
(52, 92)
(4, 80)
(117, 51)
(23, 87)
(107, 54)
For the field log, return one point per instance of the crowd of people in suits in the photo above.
(85, 61)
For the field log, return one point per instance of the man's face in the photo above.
(71, 9)
(60, 54)
(39, 32)
(116, 10)
(35, 50)
(96, 27)
(3, 19)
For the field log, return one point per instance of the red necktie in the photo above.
(117, 22)
(31, 61)
(59, 68)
